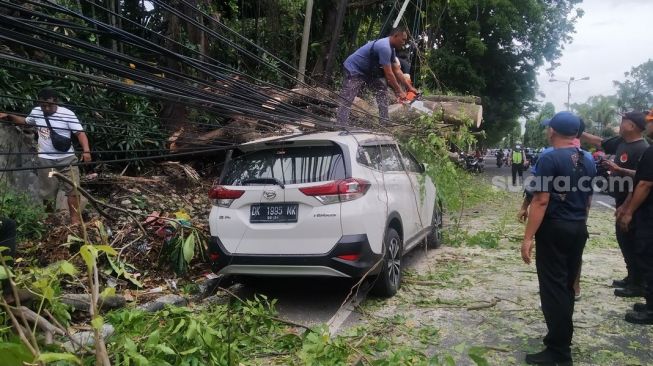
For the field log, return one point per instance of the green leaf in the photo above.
(165, 349)
(53, 357)
(189, 248)
(189, 351)
(107, 249)
(108, 291)
(15, 354)
(89, 254)
(67, 268)
(97, 322)
(5, 273)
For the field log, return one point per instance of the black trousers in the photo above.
(644, 259)
(517, 169)
(626, 240)
(7, 239)
(559, 251)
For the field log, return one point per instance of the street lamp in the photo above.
(568, 82)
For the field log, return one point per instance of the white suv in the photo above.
(342, 204)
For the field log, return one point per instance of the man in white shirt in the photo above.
(50, 118)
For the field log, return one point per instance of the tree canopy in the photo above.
(489, 48)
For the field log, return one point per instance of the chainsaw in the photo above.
(414, 101)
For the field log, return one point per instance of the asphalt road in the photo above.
(502, 178)
(312, 301)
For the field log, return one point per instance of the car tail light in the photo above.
(352, 257)
(338, 191)
(223, 197)
(214, 257)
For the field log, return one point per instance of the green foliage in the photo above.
(493, 48)
(220, 335)
(186, 242)
(457, 188)
(600, 114)
(18, 206)
(535, 133)
(636, 92)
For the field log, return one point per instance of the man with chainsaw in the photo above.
(373, 66)
(55, 125)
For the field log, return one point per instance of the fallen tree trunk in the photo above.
(456, 113)
(81, 302)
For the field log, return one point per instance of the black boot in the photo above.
(630, 291)
(640, 306)
(547, 357)
(640, 317)
(621, 283)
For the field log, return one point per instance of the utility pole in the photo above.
(305, 36)
(401, 14)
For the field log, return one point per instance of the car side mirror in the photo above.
(422, 167)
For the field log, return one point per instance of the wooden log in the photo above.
(455, 113)
(40, 321)
(81, 302)
(453, 98)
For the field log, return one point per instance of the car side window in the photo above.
(370, 156)
(410, 162)
(380, 157)
(390, 159)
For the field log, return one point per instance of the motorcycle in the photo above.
(474, 164)
(499, 161)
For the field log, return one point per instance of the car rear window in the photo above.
(290, 165)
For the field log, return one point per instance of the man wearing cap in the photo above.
(528, 193)
(562, 192)
(638, 208)
(627, 149)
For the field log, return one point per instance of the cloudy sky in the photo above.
(612, 37)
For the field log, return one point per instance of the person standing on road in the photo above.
(639, 206)
(528, 193)
(55, 126)
(561, 196)
(627, 149)
(517, 159)
(372, 66)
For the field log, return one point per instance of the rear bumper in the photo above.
(327, 265)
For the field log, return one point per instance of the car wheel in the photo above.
(434, 238)
(388, 281)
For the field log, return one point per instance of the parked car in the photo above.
(333, 204)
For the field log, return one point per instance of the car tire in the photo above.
(434, 237)
(388, 281)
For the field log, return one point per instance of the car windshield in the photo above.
(287, 165)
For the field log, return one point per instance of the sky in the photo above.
(611, 38)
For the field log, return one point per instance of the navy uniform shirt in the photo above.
(566, 174)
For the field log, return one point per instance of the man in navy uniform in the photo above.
(562, 193)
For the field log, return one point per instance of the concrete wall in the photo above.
(15, 139)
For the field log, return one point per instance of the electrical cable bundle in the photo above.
(200, 83)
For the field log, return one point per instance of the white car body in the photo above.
(339, 193)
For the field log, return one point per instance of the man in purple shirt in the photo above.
(369, 65)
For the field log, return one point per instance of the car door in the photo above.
(423, 188)
(401, 196)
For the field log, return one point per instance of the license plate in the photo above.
(273, 212)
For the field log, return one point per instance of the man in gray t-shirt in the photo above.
(627, 149)
(369, 66)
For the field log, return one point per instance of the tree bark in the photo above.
(333, 46)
